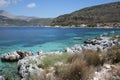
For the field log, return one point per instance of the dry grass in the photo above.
(113, 54)
(91, 57)
(36, 75)
(75, 56)
(77, 70)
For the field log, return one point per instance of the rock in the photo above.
(40, 52)
(28, 68)
(109, 72)
(15, 56)
(68, 50)
(74, 49)
(58, 64)
(55, 52)
(98, 44)
(24, 53)
(88, 41)
(10, 57)
(27, 65)
(2, 78)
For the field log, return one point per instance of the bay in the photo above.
(40, 38)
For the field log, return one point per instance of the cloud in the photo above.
(31, 5)
(4, 3)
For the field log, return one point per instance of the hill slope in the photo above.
(7, 19)
(101, 15)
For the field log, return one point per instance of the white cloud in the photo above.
(31, 5)
(4, 3)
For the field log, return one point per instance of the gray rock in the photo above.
(2, 78)
(15, 56)
(27, 65)
(99, 43)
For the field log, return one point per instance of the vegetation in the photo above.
(17, 22)
(50, 59)
(91, 16)
(91, 25)
(77, 70)
(77, 66)
(91, 57)
(113, 54)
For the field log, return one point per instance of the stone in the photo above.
(107, 72)
(27, 65)
(2, 78)
(40, 52)
(15, 56)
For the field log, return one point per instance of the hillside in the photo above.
(7, 19)
(100, 15)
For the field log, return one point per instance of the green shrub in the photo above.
(91, 25)
(50, 59)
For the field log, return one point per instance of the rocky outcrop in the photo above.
(28, 63)
(3, 78)
(15, 56)
(24, 53)
(29, 68)
(108, 72)
(101, 43)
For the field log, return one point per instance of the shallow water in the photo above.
(39, 38)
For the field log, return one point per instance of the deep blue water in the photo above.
(40, 38)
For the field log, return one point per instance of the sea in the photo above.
(46, 39)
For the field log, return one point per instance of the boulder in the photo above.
(3, 78)
(27, 65)
(15, 56)
(109, 72)
(10, 57)
(28, 68)
(40, 52)
(24, 53)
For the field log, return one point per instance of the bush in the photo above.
(77, 70)
(91, 25)
(113, 54)
(92, 57)
(50, 59)
(75, 56)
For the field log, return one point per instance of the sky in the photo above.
(47, 8)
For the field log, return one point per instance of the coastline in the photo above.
(75, 48)
(59, 27)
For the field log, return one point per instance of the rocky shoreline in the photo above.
(15, 56)
(31, 67)
(99, 43)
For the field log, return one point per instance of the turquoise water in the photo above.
(40, 38)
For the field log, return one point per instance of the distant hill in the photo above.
(101, 15)
(7, 19)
